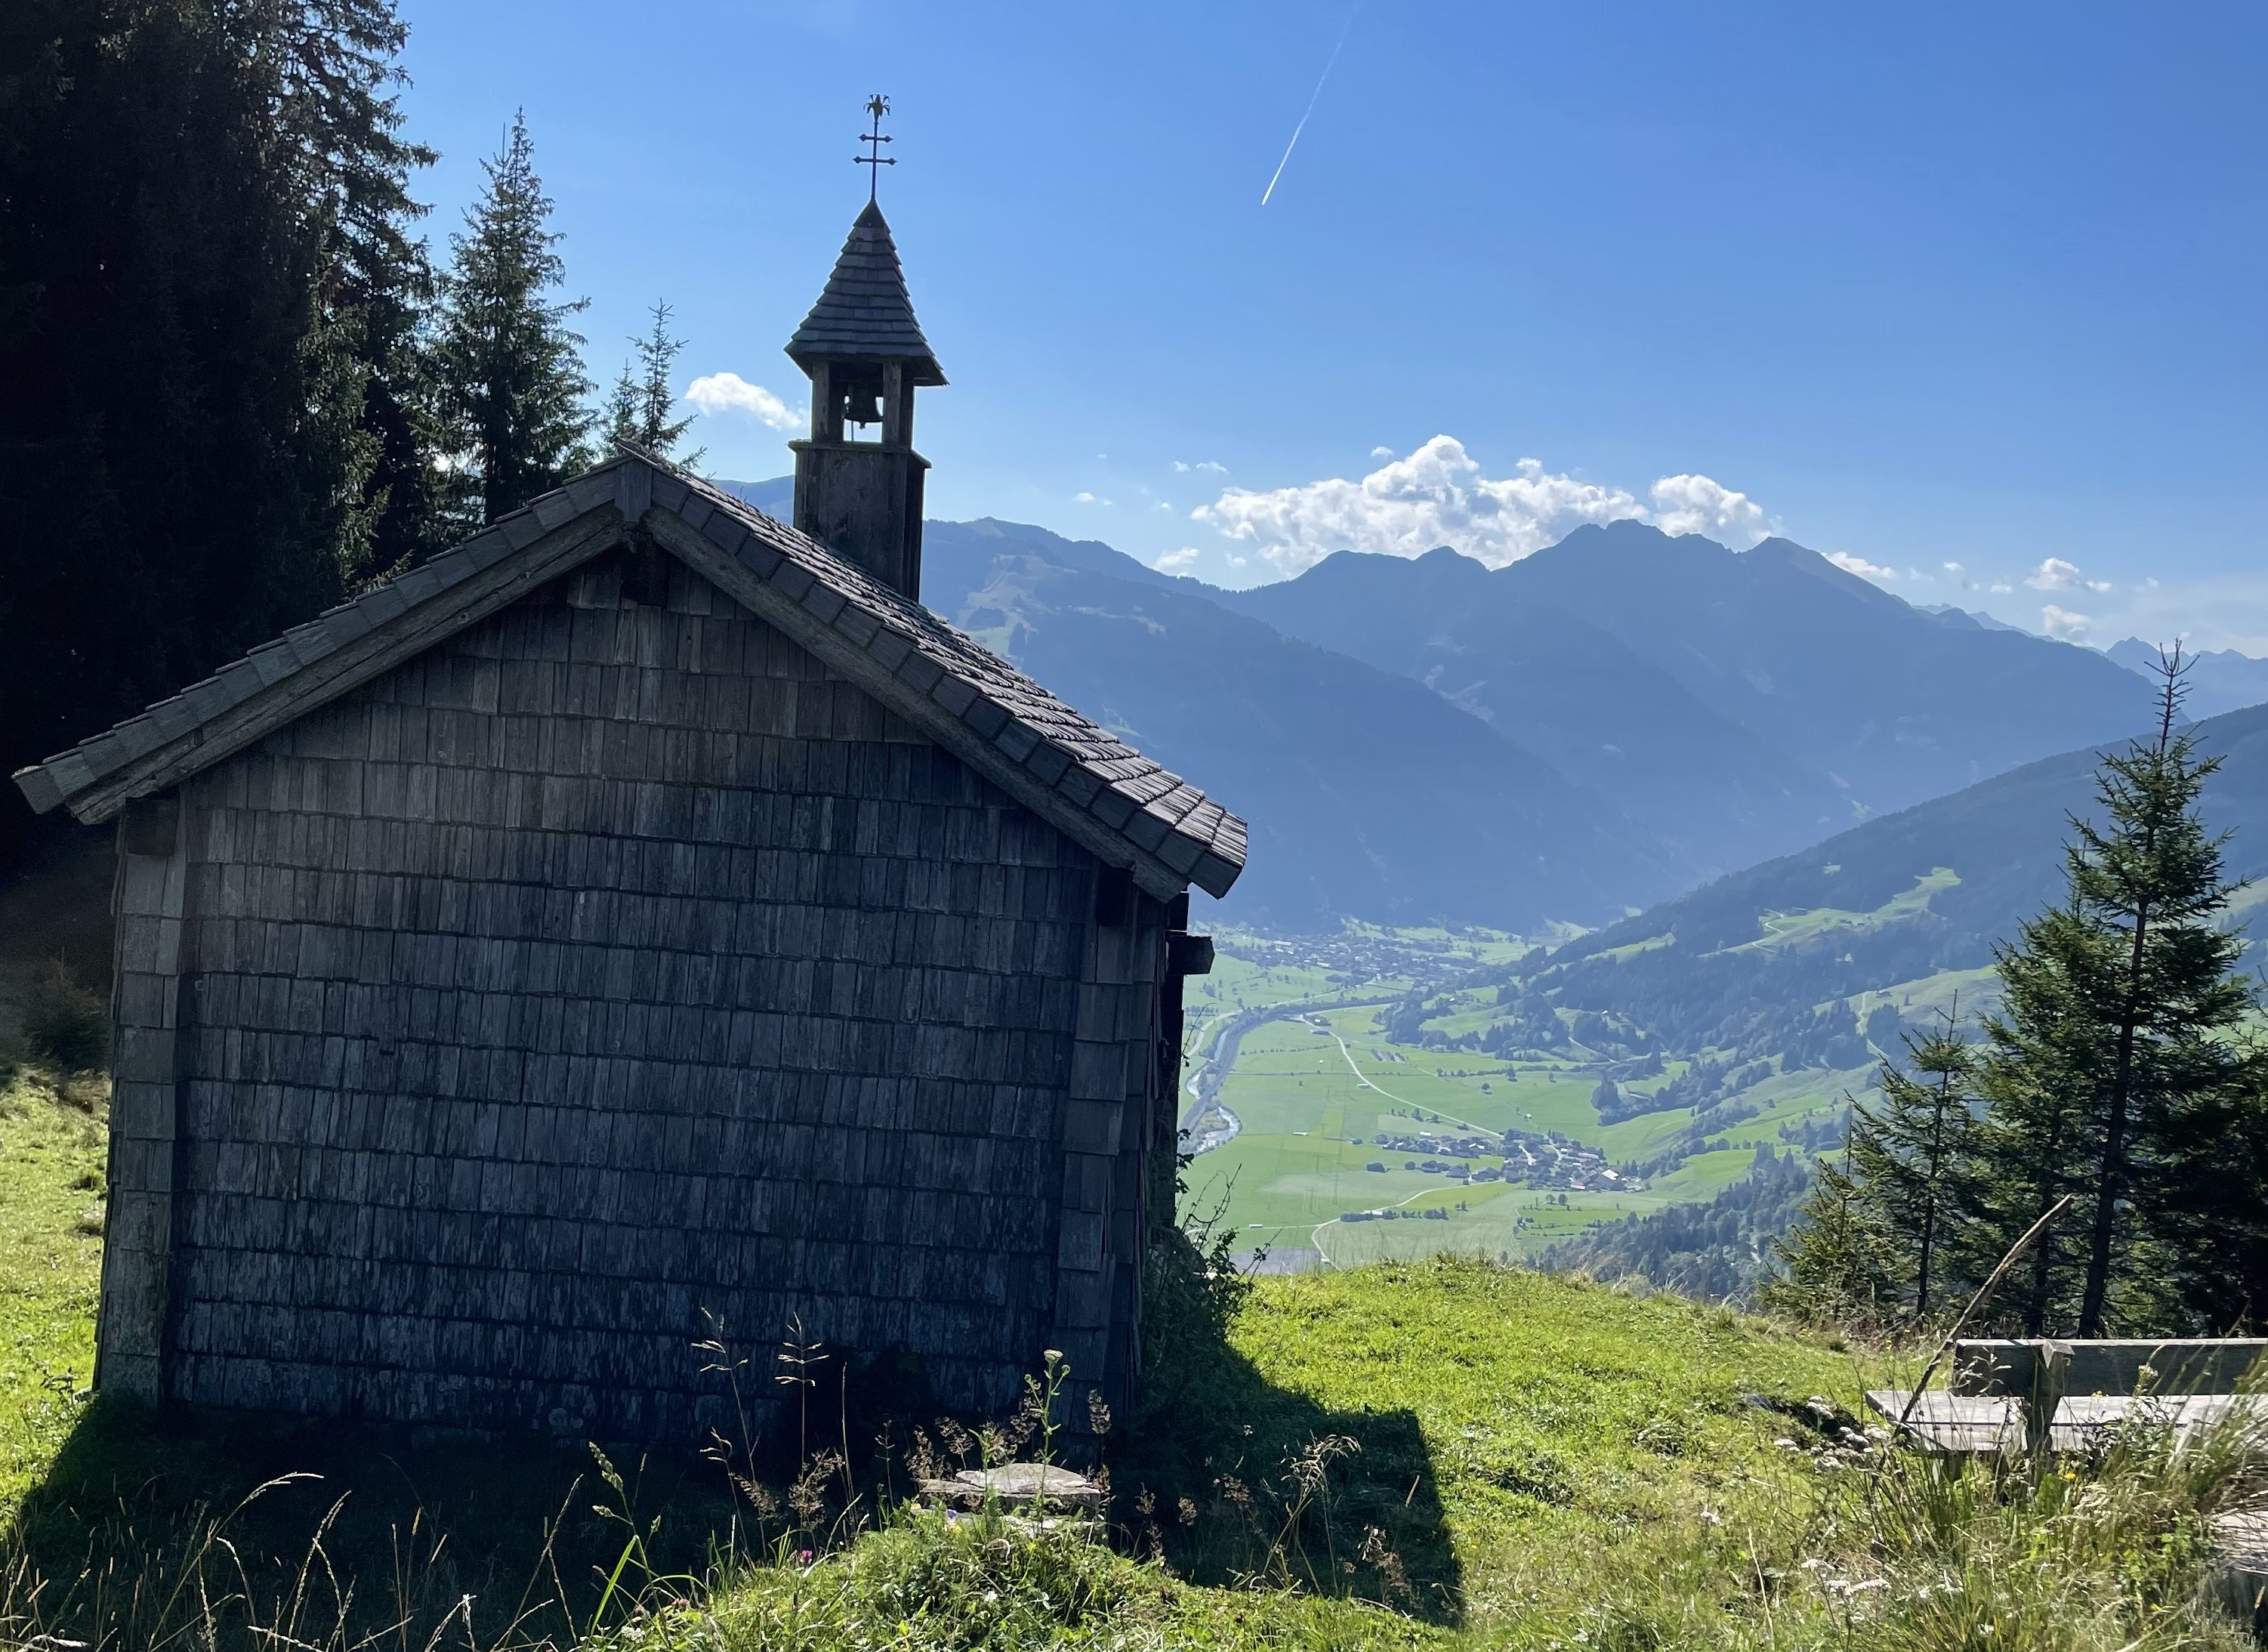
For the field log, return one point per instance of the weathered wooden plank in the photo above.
(338, 669)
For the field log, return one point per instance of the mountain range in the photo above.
(1734, 704)
(1566, 740)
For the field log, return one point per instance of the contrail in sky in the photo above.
(1302, 127)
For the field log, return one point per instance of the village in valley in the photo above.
(1319, 1109)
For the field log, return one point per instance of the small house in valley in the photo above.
(641, 912)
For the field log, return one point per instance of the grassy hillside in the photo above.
(1443, 1454)
(1491, 1419)
(1520, 1443)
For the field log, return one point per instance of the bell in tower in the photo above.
(861, 495)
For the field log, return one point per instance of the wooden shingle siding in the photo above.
(138, 1242)
(602, 965)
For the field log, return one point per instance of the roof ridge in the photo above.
(1041, 744)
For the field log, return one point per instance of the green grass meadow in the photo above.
(1440, 1453)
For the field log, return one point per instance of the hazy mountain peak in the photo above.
(2219, 680)
(1627, 536)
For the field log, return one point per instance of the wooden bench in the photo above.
(2010, 1395)
(1956, 1425)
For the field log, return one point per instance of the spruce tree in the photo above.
(1834, 1257)
(639, 406)
(2151, 878)
(511, 379)
(2032, 1145)
(338, 94)
(2118, 1056)
(1910, 1154)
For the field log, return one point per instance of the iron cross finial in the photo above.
(878, 106)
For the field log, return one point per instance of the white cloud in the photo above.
(2098, 585)
(1860, 566)
(1175, 561)
(2001, 586)
(1082, 498)
(1955, 570)
(2061, 624)
(1184, 467)
(2054, 575)
(1165, 504)
(729, 393)
(1438, 496)
(1695, 504)
(1381, 452)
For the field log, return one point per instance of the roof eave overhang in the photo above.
(351, 646)
(337, 654)
(925, 373)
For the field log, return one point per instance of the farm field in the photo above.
(1303, 1176)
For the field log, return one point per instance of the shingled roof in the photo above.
(863, 311)
(1085, 781)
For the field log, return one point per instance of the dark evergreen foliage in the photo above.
(512, 385)
(207, 288)
(1911, 1151)
(2030, 1147)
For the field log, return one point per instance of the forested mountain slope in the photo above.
(1915, 895)
(1769, 995)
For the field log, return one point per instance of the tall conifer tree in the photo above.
(339, 95)
(2032, 1148)
(511, 380)
(2120, 1046)
(1910, 1155)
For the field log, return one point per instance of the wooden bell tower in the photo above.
(860, 495)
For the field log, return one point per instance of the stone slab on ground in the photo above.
(1018, 1485)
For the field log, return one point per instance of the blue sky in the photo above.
(1915, 286)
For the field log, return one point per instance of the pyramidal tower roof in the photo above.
(864, 311)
